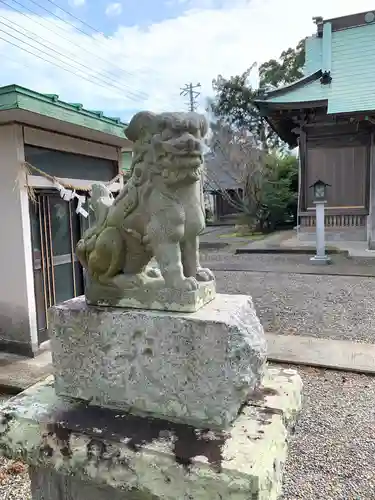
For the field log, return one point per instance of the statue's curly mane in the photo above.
(143, 129)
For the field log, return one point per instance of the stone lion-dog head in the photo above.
(170, 144)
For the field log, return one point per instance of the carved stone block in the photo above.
(196, 368)
(161, 299)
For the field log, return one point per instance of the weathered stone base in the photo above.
(46, 484)
(195, 368)
(155, 298)
(123, 457)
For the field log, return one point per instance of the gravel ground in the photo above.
(331, 454)
(280, 262)
(14, 479)
(336, 307)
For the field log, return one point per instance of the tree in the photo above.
(276, 73)
(234, 97)
(248, 150)
(280, 192)
(262, 182)
(233, 104)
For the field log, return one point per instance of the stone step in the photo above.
(17, 373)
(327, 353)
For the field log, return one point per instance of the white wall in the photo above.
(18, 323)
(17, 299)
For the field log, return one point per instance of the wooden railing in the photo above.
(335, 221)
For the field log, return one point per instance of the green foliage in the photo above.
(279, 193)
(270, 185)
(267, 181)
(234, 97)
(288, 69)
(270, 199)
(233, 105)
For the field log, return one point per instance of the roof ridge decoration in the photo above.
(345, 22)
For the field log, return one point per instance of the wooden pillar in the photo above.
(303, 169)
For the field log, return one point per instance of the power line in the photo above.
(59, 17)
(75, 17)
(104, 79)
(34, 13)
(52, 2)
(189, 90)
(71, 25)
(141, 73)
(44, 59)
(54, 63)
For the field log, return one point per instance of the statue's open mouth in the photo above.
(190, 148)
(187, 154)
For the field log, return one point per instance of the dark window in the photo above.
(73, 166)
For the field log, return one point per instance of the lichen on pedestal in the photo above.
(152, 457)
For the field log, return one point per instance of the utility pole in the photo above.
(190, 91)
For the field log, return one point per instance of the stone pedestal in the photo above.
(81, 452)
(160, 299)
(195, 368)
(152, 405)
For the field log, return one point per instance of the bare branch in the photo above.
(236, 163)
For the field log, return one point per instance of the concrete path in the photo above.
(18, 373)
(338, 267)
(333, 354)
(270, 242)
(216, 237)
(354, 249)
(288, 242)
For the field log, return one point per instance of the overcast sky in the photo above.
(148, 49)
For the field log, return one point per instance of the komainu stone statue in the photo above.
(158, 214)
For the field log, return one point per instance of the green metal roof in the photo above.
(352, 55)
(304, 90)
(16, 97)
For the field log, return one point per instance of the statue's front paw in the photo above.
(204, 274)
(190, 284)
